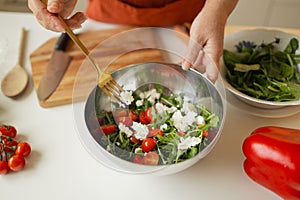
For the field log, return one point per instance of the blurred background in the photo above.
(274, 13)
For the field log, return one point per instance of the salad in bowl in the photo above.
(173, 119)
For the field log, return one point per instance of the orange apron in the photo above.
(119, 12)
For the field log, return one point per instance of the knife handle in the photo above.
(62, 42)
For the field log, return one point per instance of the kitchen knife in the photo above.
(55, 69)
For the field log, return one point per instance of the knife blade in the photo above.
(55, 69)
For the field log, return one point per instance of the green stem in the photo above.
(166, 101)
(108, 118)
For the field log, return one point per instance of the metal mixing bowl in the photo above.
(196, 87)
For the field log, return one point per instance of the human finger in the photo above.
(199, 63)
(76, 20)
(48, 20)
(192, 53)
(211, 68)
(55, 6)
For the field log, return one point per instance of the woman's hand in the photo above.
(207, 36)
(47, 14)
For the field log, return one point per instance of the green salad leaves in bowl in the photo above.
(262, 67)
(173, 119)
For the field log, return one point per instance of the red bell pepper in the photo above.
(273, 160)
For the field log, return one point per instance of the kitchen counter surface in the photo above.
(60, 167)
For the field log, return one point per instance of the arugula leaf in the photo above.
(292, 46)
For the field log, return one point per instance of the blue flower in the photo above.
(245, 46)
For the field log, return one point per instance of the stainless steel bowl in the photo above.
(196, 87)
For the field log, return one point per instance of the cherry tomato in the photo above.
(10, 146)
(4, 169)
(138, 159)
(142, 118)
(205, 133)
(108, 128)
(151, 158)
(154, 131)
(16, 163)
(126, 120)
(181, 133)
(148, 144)
(9, 141)
(23, 149)
(135, 140)
(120, 112)
(9, 131)
(5, 139)
(133, 115)
(148, 115)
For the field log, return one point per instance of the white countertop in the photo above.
(60, 167)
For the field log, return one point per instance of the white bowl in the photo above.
(258, 36)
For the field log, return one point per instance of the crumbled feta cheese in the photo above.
(171, 109)
(188, 107)
(177, 119)
(125, 129)
(200, 120)
(181, 122)
(189, 118)
(138, 150)
(126, 97)
(142, 95)
(186, 143)
(163, 127)
(151, 95)
(140, 130)
(139, 103)
(108, 148)
(160, 108)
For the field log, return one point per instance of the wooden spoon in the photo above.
(16, 80)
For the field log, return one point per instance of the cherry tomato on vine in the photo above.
(4, 169)
(148, 144)
(10, 146)
(9, 131)
(16, 163)
(23, 149)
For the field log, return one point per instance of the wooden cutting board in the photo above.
(80, 74)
